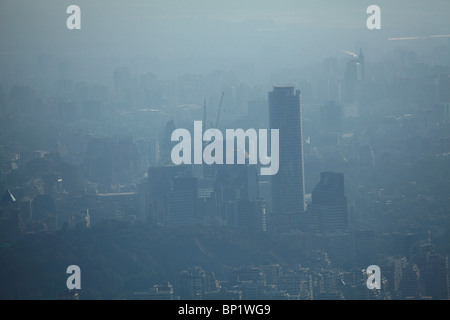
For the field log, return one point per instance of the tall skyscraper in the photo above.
(288, 184)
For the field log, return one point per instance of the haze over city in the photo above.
(97, 168)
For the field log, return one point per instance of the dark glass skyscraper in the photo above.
(288, 184)
(329, 202)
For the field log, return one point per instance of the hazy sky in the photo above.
(171, 36)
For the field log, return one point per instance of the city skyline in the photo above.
(288, 186)
(104, 128)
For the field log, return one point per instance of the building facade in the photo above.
(288, 184)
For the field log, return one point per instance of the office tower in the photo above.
(249, 215)
(238, 181)
(288, 184)
(208, 206)
(181, 205)
(237, 190)
(329, 202)
(160, 183)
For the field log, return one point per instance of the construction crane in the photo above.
(218, 112)
(204, 112)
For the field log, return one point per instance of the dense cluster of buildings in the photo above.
(401, 279)
(86, 178)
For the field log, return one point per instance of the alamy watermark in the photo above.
(213, 152)
(74, 20)
(374, 20)
(74, 281)
(373, 277)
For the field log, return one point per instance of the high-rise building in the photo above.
(329, 202)
(249, 215)
(160, 184)
(181, 203)
(208, 206)
(288, 184)
(238, 181)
